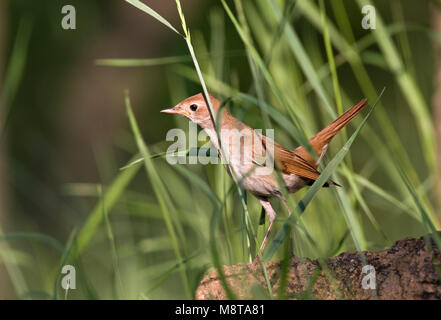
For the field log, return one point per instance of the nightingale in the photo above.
(245, 148)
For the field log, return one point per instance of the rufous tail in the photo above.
(322, 138)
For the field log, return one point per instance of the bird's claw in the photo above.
(256, 262)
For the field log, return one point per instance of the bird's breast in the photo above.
(243, 154)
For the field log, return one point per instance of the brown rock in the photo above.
(410, 269)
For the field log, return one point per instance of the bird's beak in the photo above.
(170, 110)
(176, 110)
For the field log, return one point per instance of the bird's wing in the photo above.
(291, 162)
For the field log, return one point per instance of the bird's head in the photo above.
(195, 109)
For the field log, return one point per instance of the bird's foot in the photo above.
(256, 262)
(293, 258)
(292, 255)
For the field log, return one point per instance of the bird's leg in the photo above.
(271, 217)
(325, 148)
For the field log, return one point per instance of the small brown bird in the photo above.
(247, 146)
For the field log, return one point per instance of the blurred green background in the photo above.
(64, 136)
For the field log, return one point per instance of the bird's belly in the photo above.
(255, 180)
(294, 182)
(267, 186)
(261, 186)
(260, 180)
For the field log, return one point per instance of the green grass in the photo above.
(154, 233)
(14, 74)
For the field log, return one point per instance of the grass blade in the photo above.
(159, 189)
(110, 198)
(34, 237)
(143, 7)
(408, 87)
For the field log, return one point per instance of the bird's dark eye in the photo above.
(193, 107)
